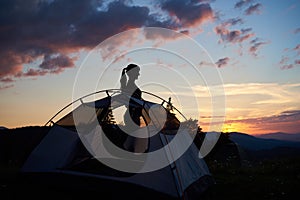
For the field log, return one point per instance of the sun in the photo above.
(232, 127)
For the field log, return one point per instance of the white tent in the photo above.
(76, 146)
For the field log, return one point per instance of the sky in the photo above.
(245, 55)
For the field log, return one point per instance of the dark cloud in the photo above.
(256, 44)
(202, 1)
(234, 21)
(246, 30)
(188, 13)
(56, 61)
(37, 30)
(242, 3)
(222, 62)
(253, 9)
(33, 30)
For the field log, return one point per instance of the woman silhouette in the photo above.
(128, 86)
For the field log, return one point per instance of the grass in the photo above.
(267, 179)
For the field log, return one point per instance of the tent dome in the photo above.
(89, 140)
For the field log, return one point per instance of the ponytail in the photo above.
(123, 79)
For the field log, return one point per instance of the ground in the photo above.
(237, 177)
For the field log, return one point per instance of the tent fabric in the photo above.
(56, 150)
(62, 149)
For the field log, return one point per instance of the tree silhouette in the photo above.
(169, 106)
(109, 118)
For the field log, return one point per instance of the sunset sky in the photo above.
(254, 47)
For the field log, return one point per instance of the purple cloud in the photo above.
(297, 49)
(289, 62)
(253, 9)
(232, 36)
(287, 66)
(222, 62)
(188, 13)
(56, 61)
(35, 30)
(256, 45)
(32, 30)
(242, 3)
(287, 121)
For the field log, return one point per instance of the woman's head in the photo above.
(132, 71)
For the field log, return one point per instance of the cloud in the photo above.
(234, 21)
(162, 35)
(283, 60)
(287, 66)
(286, 121)
(188, 13)
(37, 30)
(256, 94)
(297, 49)
(242, 3)
(253, 9)
(296, 31)
(232, 36)
(34, 72)
(206, 63)
(286, 62)
(31, 30)
(256, 45)
(285, 116)
(56, 61)
(246, 103)
(6, 80)
(222, 62)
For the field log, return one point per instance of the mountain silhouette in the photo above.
(250, 142)
(281, 136)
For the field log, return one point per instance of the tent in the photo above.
(86, 149)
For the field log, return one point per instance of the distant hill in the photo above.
(253, 143)
(281, 136)
(260, 148)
